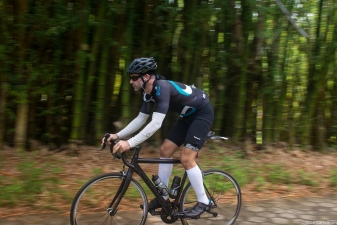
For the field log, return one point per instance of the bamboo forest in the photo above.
(269, 67)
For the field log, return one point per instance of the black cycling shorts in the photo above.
(192, 130)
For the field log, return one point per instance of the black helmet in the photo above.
(141, 66)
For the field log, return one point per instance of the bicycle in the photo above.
(113, 198)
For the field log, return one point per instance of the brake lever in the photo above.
(106, 136)
(116, 155)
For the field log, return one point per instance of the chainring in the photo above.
(168, 218)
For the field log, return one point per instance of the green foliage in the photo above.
(255, 65)
(9, 192)
(97, 171)
(260, 183)
(240, 170)
(276, 174)
(31, 175)
(25, 188)
(266, 176)
(307, 179)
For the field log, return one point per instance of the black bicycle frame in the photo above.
(135, 168)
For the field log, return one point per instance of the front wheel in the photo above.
(225, 198)
(90, 205)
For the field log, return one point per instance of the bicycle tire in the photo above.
(226, 192)
(90, 204)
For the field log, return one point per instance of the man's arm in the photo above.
(149, 130)
(134, 125)
(158, 116)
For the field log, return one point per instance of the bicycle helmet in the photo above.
(142, 66)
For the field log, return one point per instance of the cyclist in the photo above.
(190, 130)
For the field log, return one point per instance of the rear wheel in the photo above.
(224, 194)
(90, 205)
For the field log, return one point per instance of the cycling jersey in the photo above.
(173, 96)
(176, 97)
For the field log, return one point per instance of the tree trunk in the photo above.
(92, 76)
(22, 108)
(3, 95)
(278, 124)
(257, 73)
(126, 90)
(328, 58)
(21, 126)
(268, 89)
(102, 78)
(242, 29)
(312, 87)
(3, 79)
(2, 108)
(78, 102)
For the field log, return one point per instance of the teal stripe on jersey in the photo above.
(186, 92)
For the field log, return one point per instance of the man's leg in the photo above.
(195, 176)
(195, 139)
(166, 152)
(194, 173)
(175, 138)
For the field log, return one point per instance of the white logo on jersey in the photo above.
(187, 90)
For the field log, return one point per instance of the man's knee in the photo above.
(167, 149)
(163, 151)
(187, 160)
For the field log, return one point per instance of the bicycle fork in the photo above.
(113, 206)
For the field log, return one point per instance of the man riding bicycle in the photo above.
(190, 131)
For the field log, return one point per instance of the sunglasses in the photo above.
(134, 78)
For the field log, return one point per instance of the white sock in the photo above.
(164, 172)
(195, 176)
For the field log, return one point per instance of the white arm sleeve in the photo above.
(134, 125)
(149, 130)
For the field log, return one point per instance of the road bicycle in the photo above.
(119, 198)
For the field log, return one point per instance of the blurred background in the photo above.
(269, 67)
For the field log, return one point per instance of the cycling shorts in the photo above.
(192, 130)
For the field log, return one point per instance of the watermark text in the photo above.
(322, 222)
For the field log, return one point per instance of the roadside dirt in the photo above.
(86, 161)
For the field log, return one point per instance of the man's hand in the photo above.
(111, 138)
(121, 146)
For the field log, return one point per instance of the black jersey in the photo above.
(176, 97)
